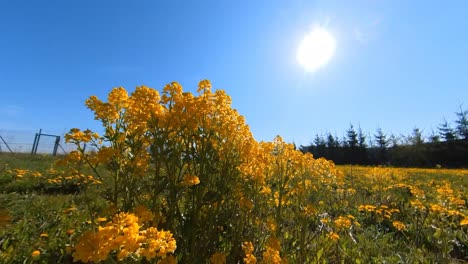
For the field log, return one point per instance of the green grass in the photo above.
(34, 219)
(26, 161)
(28, 209)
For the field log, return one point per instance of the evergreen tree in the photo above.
(344, 143)
(462, 124)
(320, 146)
(434, 137)
(371, 141)
(393, 141)
(352, 151)
(352, 137)
(416, 150)
(416, 138)
(362, 147)
(382, 146)
(332, 142)
(446, 132)
(332, 148)
(381, 139)
(361, 139)
(319, 141)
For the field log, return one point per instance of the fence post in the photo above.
(57, 140)
(37, 142)
(34, 144)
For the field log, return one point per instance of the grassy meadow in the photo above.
(178, 178)
(397, 215)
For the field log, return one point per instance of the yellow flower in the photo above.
(464, 221)
(35, 253)
(265, 190)
(204, 84)
(45, 235)
(271, 256)
(190, 180)
(399, 225)
(417, 205)
(274, 243)
(436, 208)
(143, 214)
(123, 254)
(246, 204)
(123, 236)
(36, 174)
(333, 236)
(250, 259)
(367, 207)
(118, 97)
(218, 258)
(343, 222)
(308, 210)
(248, 247)
(248, 250)
(271, 225)
(101, 219)
(69, 210)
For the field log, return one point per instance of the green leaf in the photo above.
(319, 254)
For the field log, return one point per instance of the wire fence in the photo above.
(34, 142)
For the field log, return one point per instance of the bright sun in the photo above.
(316, 49)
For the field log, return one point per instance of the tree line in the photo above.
(447, 147)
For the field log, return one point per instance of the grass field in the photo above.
(375, 214)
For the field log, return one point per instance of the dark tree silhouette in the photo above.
(382, 146)
(446, 132)
(462, 123)
(447, 146)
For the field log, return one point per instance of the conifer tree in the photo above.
(446, 132)
(382, 145)
(462, 124)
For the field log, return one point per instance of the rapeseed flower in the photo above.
(464, 222)
(399, 225)
(36, 253)
(218, 258)
(343, 222)
(190, 180)
(333, 236)
(248, 251)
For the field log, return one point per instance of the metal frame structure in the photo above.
(38, 137)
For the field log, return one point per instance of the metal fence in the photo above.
(40, 141)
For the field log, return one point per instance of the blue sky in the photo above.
(397, 65)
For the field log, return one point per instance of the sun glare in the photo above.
(316, 49)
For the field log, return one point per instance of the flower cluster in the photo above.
(382, 211)
(248, 251)
(76, 135)
(190, 180)
(125, 237)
